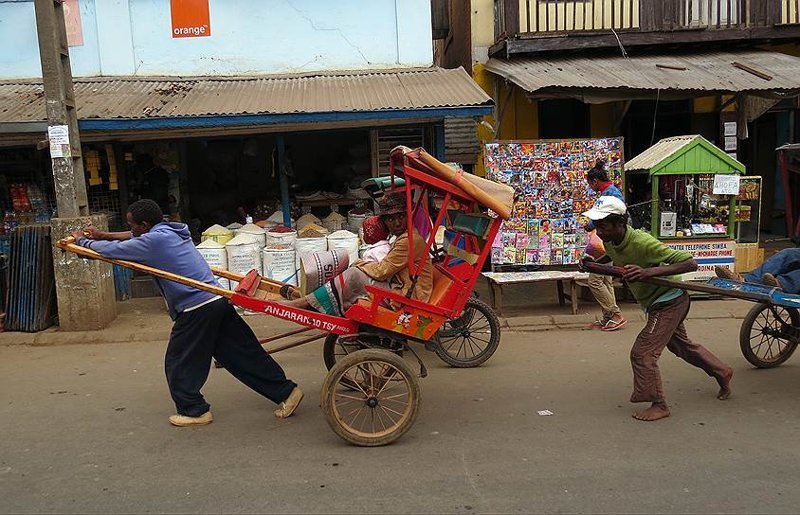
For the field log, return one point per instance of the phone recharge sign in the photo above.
(708, 254)
(190, 18)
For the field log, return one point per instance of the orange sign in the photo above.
(190, 18)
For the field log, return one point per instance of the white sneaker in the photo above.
(186, 421)
(287, 407)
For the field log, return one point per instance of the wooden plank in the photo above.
(574, 14)
(511, 18)
(613, 13)
(578, 41)
(630, 14)
(528, 15)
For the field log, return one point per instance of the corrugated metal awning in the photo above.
(595, 77)
(108, 103)
(656, 158)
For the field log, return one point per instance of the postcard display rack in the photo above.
(549, 180)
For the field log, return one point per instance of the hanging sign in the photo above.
(190, 18)
(726, 184)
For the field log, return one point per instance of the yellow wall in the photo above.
(601, 117)
(706, 104)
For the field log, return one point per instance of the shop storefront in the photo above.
(223, 151)
(684, 190)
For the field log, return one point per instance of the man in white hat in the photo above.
(642, 256)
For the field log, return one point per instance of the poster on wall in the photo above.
(72, 22)
(190, 18)
(549, 181)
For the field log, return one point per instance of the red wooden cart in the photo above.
(371, 394)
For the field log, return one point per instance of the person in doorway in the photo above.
(206, 325)
(337, 295)
(781, 270)
(642, 256)
(602, 286)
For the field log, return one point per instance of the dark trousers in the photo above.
(665, 328)
(216, 330)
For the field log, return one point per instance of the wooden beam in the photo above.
(535, 44)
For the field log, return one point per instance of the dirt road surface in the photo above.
(83, 428)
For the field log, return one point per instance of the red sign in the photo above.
(190, 18)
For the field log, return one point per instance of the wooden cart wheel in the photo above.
(766, 337)
(471, 339)
(382, 408)
(336, 347)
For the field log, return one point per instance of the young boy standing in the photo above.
(642, 256)
(206, 325)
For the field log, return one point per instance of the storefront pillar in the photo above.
(280, 143)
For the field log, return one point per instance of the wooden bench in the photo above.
(499, 279)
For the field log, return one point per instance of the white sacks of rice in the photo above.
(311, 238)
(344, 240)
(253, 230)
(280, 236)
(244, 254)
(215, 255)
(279, 264)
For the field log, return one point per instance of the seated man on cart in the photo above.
(340, 293)
(781, 270)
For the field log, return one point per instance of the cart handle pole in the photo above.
(68, 244)
(617, 271)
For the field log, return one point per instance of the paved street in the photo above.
(84, 429)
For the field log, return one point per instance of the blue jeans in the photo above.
(785, 265)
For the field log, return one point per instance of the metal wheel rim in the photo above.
(372, 381)
(474, 334)
(766, 327)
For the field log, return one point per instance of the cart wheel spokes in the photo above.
(768, 336)
(470, 339)
(371, 397)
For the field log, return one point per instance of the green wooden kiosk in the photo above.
(670, 188)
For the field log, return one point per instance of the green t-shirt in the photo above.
(641, 248)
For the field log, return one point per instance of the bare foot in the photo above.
(654, 412)
(725, 385)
